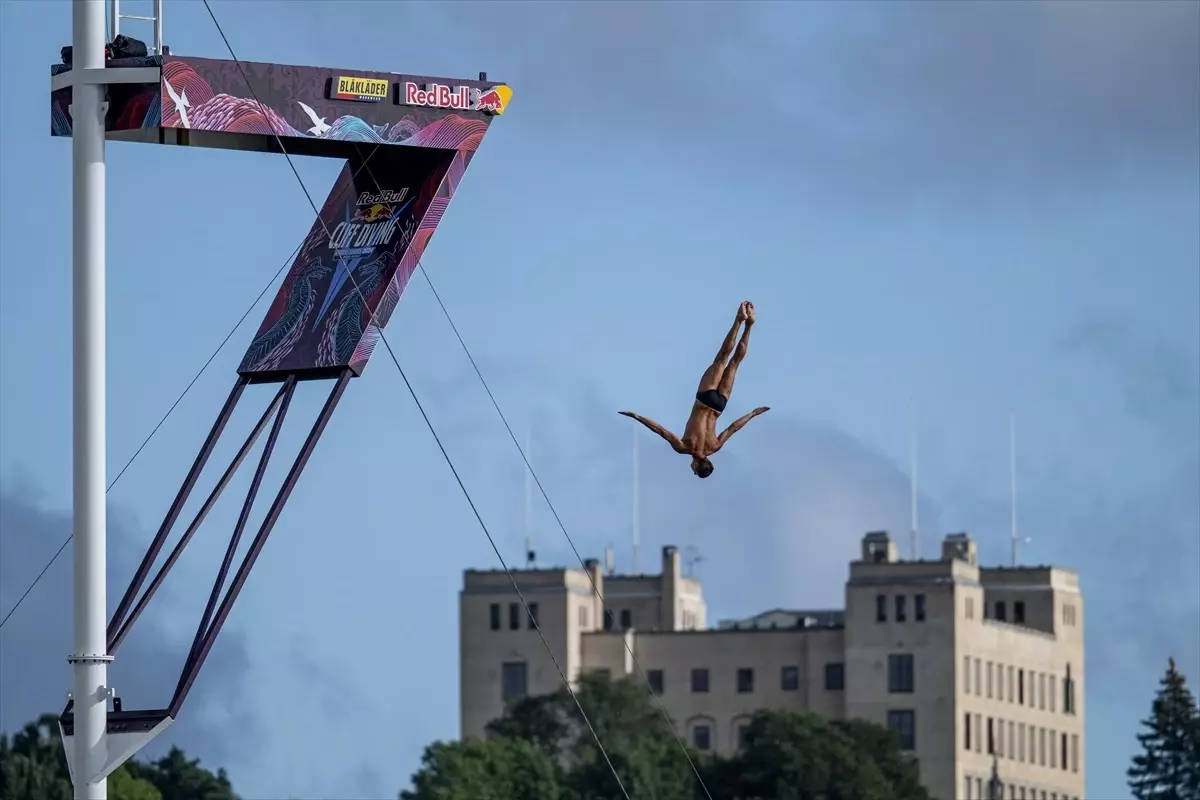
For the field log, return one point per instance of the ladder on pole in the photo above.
(115, 16)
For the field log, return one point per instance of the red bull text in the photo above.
(462, 98)
(436, 96)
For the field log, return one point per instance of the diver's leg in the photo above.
(729, 374)
(713, 375)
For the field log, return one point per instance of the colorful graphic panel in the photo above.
(315, 103)
(354, 264)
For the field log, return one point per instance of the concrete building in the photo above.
(977, 668)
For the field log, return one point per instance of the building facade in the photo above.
(979, 670)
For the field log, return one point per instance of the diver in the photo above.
(700, 439)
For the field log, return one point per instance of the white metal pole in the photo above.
(114, 19)
(528, 496)
(90, 658)
(1012, 480)
(915, 521)
(637, 511)
(158, 27)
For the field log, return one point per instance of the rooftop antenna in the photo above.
(530, 556)
(1015, 540)
(691, 557)
(637, 527)
(609, 560)
(912, 453)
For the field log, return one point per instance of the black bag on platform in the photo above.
(126, 47)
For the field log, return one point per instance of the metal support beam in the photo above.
(289, 388)
(196, 659)
(160, 576)
(189, 482)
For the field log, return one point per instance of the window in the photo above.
(970, 608)
(495, 614)
(966, 674)
(999, 681)
(966, 732)
(978, 733)
(513, 681)
(900, 673)
(700, 680)
(991, 737)
(533, 617)
(1068, 693)
(655, 678)
(979, 788)
(1019, 612)
(881, 608)
(1021, 741)
(1012, 740)
(742, 730)
(919, 607)
(745, 680)
(835, 677)
(904, 723)
(967, 787)
(608, 620)
(1011, 697)
(789, 679)
(1052, 685)
(583, 617)
(1041, 692)
(514, 616)
(702, 737)
(626, 619)
(1074, 752)
(1021, 687)
(1001, 611)
(989, 680)
(901, 611)
(1050, 736)
(1000, 738)
(978, 677)
(1041, 738)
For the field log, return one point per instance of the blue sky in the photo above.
(967, 207)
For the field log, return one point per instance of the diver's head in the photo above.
(702, 467)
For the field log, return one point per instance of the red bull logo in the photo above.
(462, 98)
(377, 212)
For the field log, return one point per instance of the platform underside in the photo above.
(204, 102)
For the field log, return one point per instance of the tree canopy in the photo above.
(1168, 767)
(33, 766)
(788, 755)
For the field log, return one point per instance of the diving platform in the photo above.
(247, 105)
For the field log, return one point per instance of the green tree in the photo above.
(34, 767)
(634, 734)
(882, 748)
(179, 778)
(1168, 768)
(788, 756)
(485, 769)
(800, 756)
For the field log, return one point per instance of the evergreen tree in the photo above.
(1169, 767)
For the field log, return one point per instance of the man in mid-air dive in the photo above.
(700, 439)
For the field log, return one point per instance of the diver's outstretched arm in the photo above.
(738, 424)
(671, 438)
